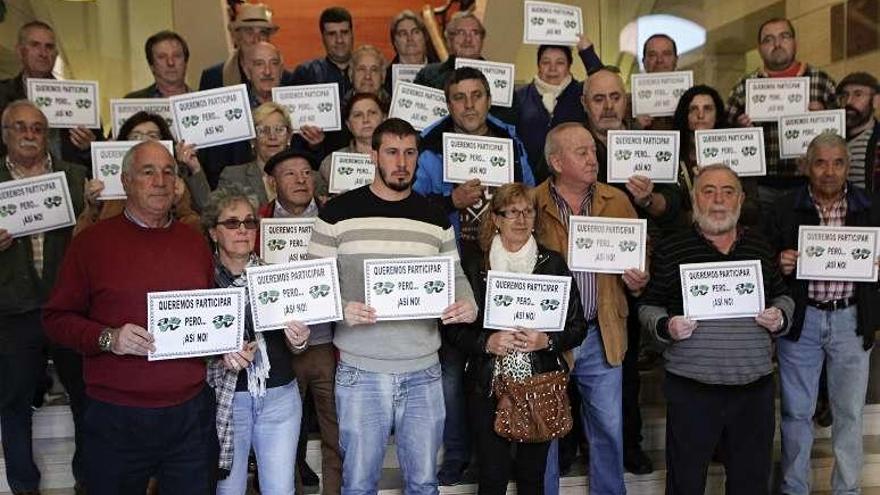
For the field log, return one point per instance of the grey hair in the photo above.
(128, 159)
(711, 168)
(826, 140)
(459, 16)
(224, 197)
(551, 146)
(17, 104)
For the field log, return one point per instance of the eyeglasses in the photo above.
(513, 214)
(21, 128)
(771, 40)
(277, 130)
(143, 136)
(235, 224)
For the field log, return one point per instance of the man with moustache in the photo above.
(719, 373)
(859, 94)
(264, 67)
(29, 265)
(388, 375)
(777, 46)
(833, 323)
(604, 99)
(468, 99)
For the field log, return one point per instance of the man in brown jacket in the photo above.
(574, 190)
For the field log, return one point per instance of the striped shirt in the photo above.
(358, 226)
(731, 351)
(586, 281)
(858, 148)
(37, 240)
(832, 216)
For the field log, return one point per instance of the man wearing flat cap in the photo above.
(293, 176)
(859, 94)
(252, 24)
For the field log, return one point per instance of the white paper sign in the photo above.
(741, 149)
(467, 157)
(107, 165)
(350, 171)
(404, 73)
(768, 98)
(122, 109)
(193, 323)
(715, 291)
(421, 106)
(796, 131)
(606, 245)
(656, 94)
(409, 288)
(37, 204)
(306, 291)
(66, 103)
(537, 302)
(213, 117)
(653, 154)
(285, 240)
(499, 75)
(838, 253)
(547, 23)
(312, 104)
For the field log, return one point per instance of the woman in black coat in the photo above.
(509, 245)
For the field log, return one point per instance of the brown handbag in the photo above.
(534, 410)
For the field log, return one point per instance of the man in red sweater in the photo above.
(143, 418)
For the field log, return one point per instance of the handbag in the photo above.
(533, 410)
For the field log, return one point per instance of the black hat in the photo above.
(287, 155)
(859, 79)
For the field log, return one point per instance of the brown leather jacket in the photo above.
(612, 308)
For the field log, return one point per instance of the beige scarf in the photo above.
(550, 92)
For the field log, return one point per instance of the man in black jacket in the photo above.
(834, 321)
(859, 94)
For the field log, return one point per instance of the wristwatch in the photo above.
(647, 203)
(105, 339)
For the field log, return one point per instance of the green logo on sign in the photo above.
(233, 114)
(223, 321)
(190, 121)
(860, 253)
(498, 161)
(383, 288)
(625, 246)
(502, 300)
(699, 290)
(622, 154)
(549, 304)
(83, 103)
(266, 297)
(52, 202)
(434, 286)
(815, 251)
(745, 288)
(584, 243)
(168, 324)
(276, 244)
(317, 291)
(7, 210)
(663, 156)
(109, 169)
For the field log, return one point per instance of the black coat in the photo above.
(796, 209)
(471, 339)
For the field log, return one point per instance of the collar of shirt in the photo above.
(16, 172)
(583, 209)
(133, 219)
(701, 235)
(836, 209)
(310, 211)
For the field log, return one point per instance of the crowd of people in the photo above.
(190, 220)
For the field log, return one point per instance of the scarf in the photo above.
(550, 92)
(223, 381)
(516, 364)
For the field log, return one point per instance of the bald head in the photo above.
(604, 99)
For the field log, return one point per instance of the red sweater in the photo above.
(103, 282)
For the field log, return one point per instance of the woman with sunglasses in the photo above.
(258, 401)
(273, 130)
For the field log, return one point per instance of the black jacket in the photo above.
(796, 209)
(471, 339)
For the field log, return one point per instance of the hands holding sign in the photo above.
(131, 339)
(519, 339)
(358, 313)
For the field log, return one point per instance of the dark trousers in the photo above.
(315, 371)
(738, 420)
(501, 460)
(22, 366)
(632, 413)
(68, 364)
(177, 445)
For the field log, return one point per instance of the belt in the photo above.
(832, 305)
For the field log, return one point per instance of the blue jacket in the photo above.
(429, 172)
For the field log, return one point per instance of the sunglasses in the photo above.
(235, 224)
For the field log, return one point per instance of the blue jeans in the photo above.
(456, 441)
(601, 385)
(271, 425)
(369, 405)
(829, 336)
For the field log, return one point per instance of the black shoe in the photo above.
(822, 416)
(636, 462)
(451, 473)
(308, 477)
